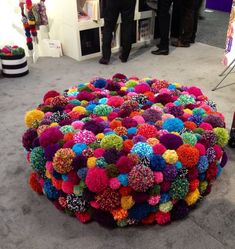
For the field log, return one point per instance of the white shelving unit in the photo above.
(82, 39)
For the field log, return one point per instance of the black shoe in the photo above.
(201, 18)
(192, 40)
(180, 44)
(104, 61)
(122, 59)
(160, 52)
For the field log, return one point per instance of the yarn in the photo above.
(125, 151)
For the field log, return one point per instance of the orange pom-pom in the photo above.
(115, 123)
(128, 144)
(68, 136)
(190, 125)
(188, 155)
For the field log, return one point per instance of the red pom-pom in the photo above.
(163, 218)
(150, 219)
(50, 94)
(34, 183)
(193, 185)
(83, 217)
(124, 164)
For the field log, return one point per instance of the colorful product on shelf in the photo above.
(125, 151)
(14, 62)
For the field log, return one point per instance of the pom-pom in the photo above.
(192, 197)
(222, 136)
(50, 136)
(171, 141)
(163, 218)
(33, 118)
(112, 141)
(170, 156)
(173, 125)
(97, 180)
(34, 182)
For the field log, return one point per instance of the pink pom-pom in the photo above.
(206, 126)
(69, 144)
(159, 149)
(158, 177)
(99, 152)
(48, 115)
(218, 151)
(112, 116)
(77, 125)
(201, 148)
(142, 88)
(115, 101)
(95, 204)
(67, 187)
(97, 180)
(195, 91)
(154, 200)
(73, 177)
(114, 183)
(49, 166)
(84, 136)
(139, 119)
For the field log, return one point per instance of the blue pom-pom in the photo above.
(202, 177)
(178, 165)
(173, 125)
(56, 175)
(131, 131)
(78, 148)
(51, 192)
(157, 163)
(65, 177)
(219, 170)
(90, 107)
(82, 173)
(202, 164)
(100, 83)
(103, 101)
(197, 119)
(165, 197)
(172, 87)
(139, 211)
(123, 179)
(142, 149)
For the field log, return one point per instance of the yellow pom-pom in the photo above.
(32, 118)
(123, 88)
(84, 102)
(80, 109)
(170, 156)
(166, 207)
(188, 111)
(48, 174)
(192, 197)
(127, 202)
(54, 124)
(91, 162)
(100, 135)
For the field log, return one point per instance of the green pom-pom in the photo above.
(67, 128)
(131, 83)
(189, 138)
(112, 141)
(113, 93)
(199, 131)
(203, 186)
(222, 136)
(199, 111)
(179, 188)
(166, 207)
(46, 109)
(37, 159)
(112, 170)
(102, 110)
(83, 88)
(75, 102)
(155, 190)
(122, 223)
(94, 145)
(100, 162)
(186, 99)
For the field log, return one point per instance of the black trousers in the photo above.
(198, 6)
(163, 14)
(111, 13)
(185, 19)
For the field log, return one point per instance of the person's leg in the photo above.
(176, 18)
(198, 4)
(127, 14)
(164, 26)
(111, 13)
(188, 21)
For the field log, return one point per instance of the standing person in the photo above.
(197, 13)
(111, 13)
(187, 24)
(163, 13)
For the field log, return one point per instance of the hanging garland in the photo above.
(34, 17)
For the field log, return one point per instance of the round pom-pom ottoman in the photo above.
(125, 151)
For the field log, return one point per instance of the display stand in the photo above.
(229, 70)
(82, 38)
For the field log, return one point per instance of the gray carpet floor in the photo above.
(28, 221)
(212, 30)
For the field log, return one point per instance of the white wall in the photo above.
(11, 27)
